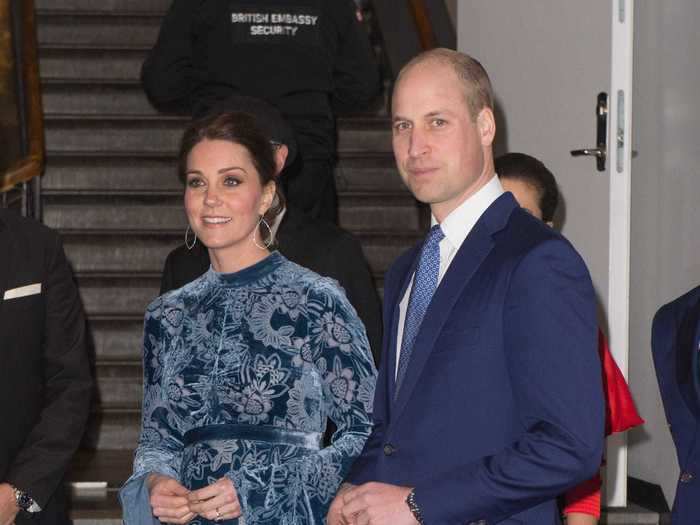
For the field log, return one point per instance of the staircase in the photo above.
(111, 189)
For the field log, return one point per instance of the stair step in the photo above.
(105, 63)
(119, 251)
(101, 96)
(120, 295)
(106, 6)
(116, 339)
(145, 252)
(105, 171)
(630, 515)
(117, 295)
(357, 212)
(112, 429)
(97, 28)
(119, 385)
(76, 133)
(95, 98)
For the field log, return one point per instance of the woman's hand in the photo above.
(218, 501)
(168, 499)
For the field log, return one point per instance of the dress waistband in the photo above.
(275, 435)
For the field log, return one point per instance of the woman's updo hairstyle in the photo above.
(238, 128)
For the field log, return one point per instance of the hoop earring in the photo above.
(187, 234)
(269, 238)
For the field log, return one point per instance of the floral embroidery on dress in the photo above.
(273, 350)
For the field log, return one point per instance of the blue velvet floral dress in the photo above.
(241, 372)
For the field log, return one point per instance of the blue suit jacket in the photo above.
(501, 408)
(675, 338)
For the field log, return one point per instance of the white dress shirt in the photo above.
(456, 227)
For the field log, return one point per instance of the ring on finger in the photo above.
(219, 517)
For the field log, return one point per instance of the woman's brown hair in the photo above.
(237, 128)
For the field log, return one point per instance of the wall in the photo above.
(665, 243)
(665, 236)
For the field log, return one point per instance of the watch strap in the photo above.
(414, 508)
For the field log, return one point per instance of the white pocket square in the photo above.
(22, 291)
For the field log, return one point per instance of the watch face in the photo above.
(23, 500)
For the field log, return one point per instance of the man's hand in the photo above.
(168, 499)
(8, 505)
(335, 516)
(218, 501)
(377, 504)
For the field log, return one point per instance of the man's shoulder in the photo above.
(672, 313)
(526, 236)
(25, 228)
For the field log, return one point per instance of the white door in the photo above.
(548, 61)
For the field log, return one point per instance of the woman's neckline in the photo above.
(248, 274)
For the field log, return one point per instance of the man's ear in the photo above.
(281, 153)
(486, 124)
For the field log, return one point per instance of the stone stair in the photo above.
(111, 189)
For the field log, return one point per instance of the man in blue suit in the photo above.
(489, 400)
(675, 342)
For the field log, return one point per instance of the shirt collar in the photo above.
(462, 219)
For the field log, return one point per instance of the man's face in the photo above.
(442, 155)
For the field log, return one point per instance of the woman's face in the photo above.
(526, 195)
(224, 198)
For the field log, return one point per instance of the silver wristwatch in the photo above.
(414, 508)
(24, 501)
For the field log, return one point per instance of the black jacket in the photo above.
(45, 381)
(319, 246)
(302, 56)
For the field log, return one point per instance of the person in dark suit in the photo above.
(675, 344)
(489, 399)
(315, 244)
(45, 380)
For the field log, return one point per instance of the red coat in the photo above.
(620, 415)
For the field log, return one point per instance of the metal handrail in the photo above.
(21, 25)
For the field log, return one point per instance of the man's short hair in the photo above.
(533, 172)
(475, 81)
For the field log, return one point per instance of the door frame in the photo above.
(619, 170)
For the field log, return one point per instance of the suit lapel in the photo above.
(466, 262)
(687, 358)
(395, 314)
(695, 357)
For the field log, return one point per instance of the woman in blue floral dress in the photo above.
(244, 366)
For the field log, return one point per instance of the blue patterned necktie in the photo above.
(424, 284)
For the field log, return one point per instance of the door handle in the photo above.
(592, 152)
(600, 152)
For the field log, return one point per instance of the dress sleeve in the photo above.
(160, 443)
(346, 368)
(349, 375)
(584, 498)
